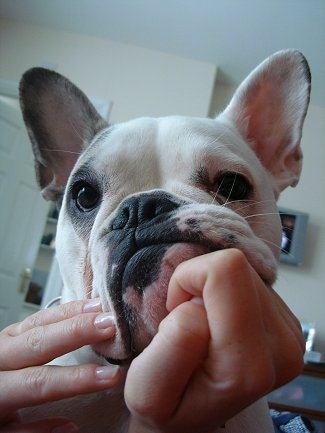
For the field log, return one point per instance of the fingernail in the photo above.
(92, 305)
(65, 428)
(104, 320)
(106, 372)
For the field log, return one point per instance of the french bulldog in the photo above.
(140, 197)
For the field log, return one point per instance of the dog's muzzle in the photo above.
(145, 244)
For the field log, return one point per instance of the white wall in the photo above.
(303, 287)
(139, 81)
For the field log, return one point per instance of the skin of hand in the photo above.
(40, 338)
(228, 337)
(205, 295)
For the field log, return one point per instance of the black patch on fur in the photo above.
(83, 221)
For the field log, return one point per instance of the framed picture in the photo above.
(294, 226)
(309, 331)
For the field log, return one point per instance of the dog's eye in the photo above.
(85, 196)
(232, 186)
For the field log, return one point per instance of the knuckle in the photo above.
(69, 309)
(35, 340)
(80, 374)
(46, 383)
(76, 327)
(11, 331)
(36, 380)
(72, 308)
(230, 261)
(236, 256)
(32, 321)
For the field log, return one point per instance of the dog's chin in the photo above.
(145, 306)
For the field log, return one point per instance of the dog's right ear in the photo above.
(269, 110)
(60, 121)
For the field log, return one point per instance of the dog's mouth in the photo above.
(144, 292)
(137, 283)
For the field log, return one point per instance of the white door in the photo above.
(22, 213)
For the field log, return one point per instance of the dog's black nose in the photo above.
(137, 210)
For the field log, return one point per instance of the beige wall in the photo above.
(140, 82)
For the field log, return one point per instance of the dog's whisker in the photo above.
(249, 203)
(231, 189)
(217, 138)
(253, 203)
(62, 150)
(274, 244)
(260, 214)
(214, 198)
(75, 129)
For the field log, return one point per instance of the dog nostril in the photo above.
(144, 208)
(121, 219)
(155, 205)
(148, 209)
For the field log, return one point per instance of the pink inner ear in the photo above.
(266, 127)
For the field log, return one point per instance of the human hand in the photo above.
(40, 338)
(227, 341)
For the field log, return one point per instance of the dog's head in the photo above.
(140, 197)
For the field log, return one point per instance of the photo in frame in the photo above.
(294, 227)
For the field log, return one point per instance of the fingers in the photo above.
(223, 277)
(54, 315)
(239, 366)
(36, 385)
(43, 337)
(234, 295)
(56, 332)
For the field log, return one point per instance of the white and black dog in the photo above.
(140, 197)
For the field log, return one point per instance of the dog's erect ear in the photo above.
(269, 109)
(60, 121)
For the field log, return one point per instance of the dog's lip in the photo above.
(119, 349)
(132, 337)
(121, 362)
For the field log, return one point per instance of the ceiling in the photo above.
(234, 34)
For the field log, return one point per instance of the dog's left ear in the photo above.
(60, 121)
(269, 109)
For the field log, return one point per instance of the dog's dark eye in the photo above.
(85, 196)
(232, 186)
